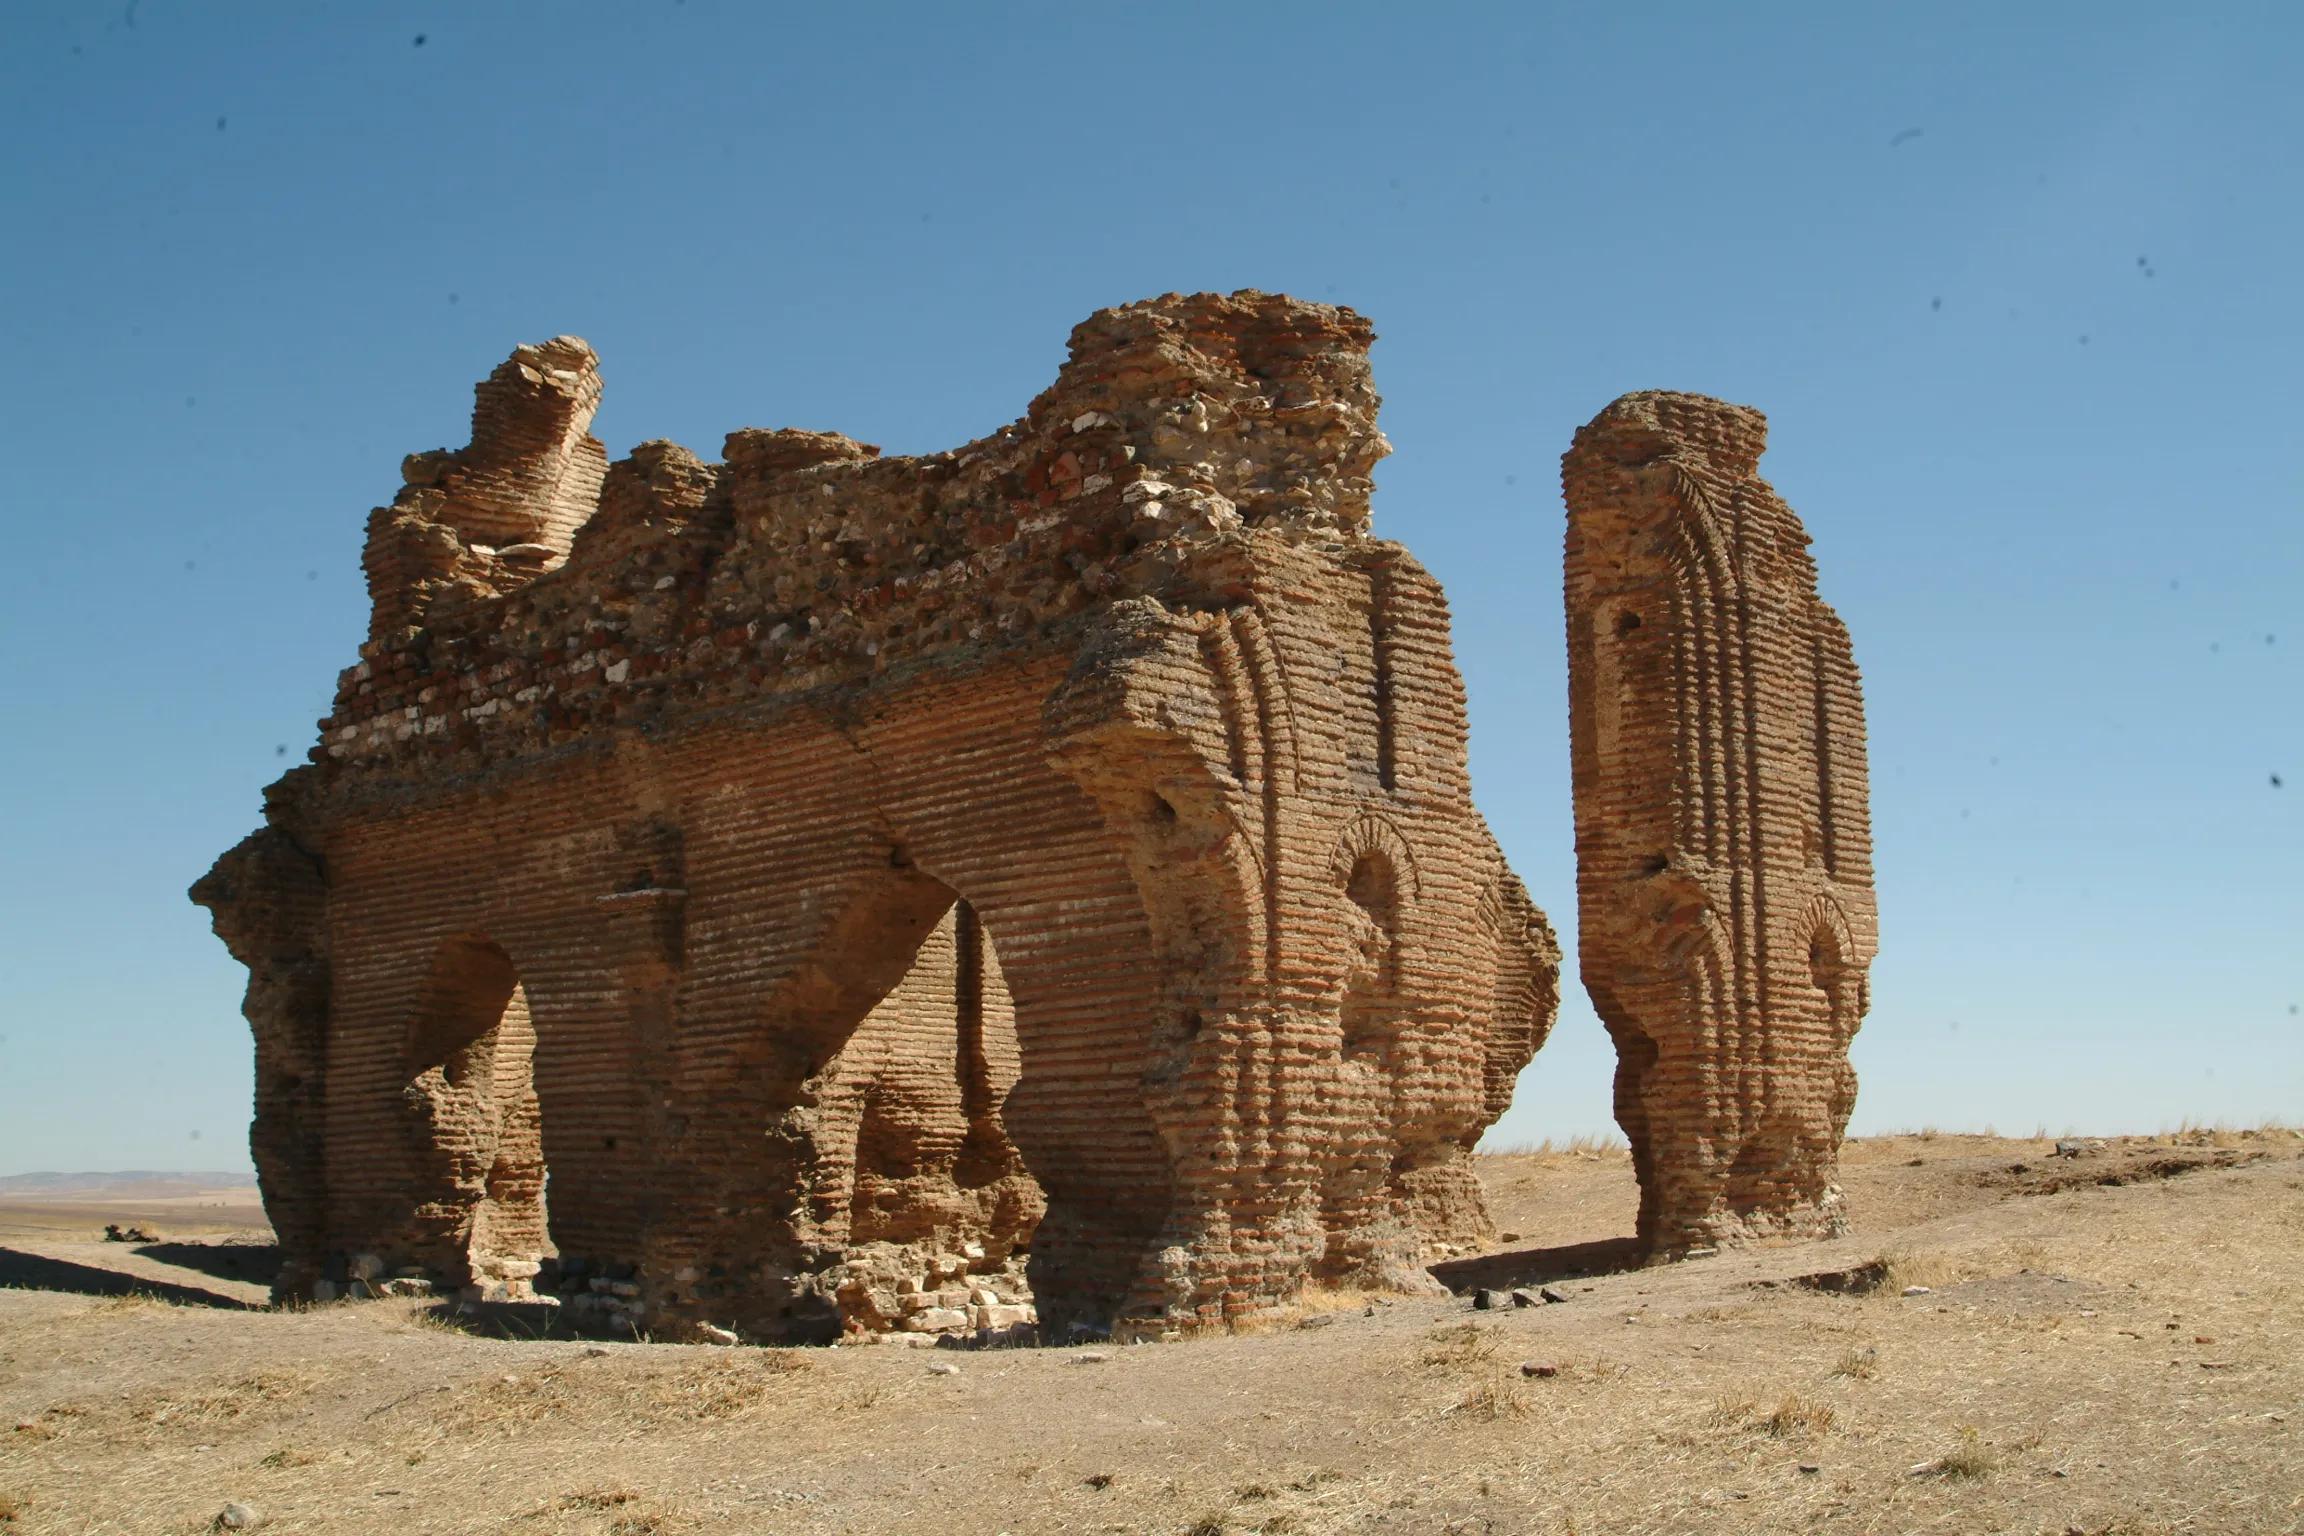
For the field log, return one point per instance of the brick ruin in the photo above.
(1725, 910)
(816, 891)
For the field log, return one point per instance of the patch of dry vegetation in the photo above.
(1588, 1149)
(268, 1389)
(1858, 1364)
(2197, 1133)
(50, 1422)
(613, 1511)
(1969, 1459)
(273, 1390)
(1499, 1395)
(1797, 1417)
(1313, 1300)
(129, 1303)
(1748, 1399)
(1900, 1271)
(1458, 1347)
(718, 1385)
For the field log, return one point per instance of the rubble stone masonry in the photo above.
(814, 891)
(1725, 914)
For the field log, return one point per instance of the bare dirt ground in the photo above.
(2109, 1344)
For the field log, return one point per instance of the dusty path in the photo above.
(2099, 1358)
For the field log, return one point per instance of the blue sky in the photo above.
(2016, 286)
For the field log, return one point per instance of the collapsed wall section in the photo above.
(1726, 916)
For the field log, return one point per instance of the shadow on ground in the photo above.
(517, 1320)
(1539, 1266)
(33, 1271)
(255, 1263)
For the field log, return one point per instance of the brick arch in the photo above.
(470, 1107)
(1061, 908)
(1373, 833)
(732, 1240)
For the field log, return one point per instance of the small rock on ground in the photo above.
(238, 1517)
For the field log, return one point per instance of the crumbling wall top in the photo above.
(525, 589)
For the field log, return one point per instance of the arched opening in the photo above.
(918, 1182)
(470, 1088)
(1372, 892)
(932, 1063)
(1365, 1160)
(1834, 983)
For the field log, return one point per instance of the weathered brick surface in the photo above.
(1049, 858)
(1724, 860)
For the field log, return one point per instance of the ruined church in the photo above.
(1028, 888)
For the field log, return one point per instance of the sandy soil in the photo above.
(2113, 1343)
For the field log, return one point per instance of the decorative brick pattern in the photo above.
(1041, 875)
(1723, 846)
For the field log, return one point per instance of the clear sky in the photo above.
(2018, 287)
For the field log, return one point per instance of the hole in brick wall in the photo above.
(1374, 887)
(1158, 807)
(922, 1079)
(1626, 623)
(1828, 974)
(1369, 1005)
(1655, 864)
(471, 1088)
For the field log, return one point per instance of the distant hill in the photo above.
(137, 1182)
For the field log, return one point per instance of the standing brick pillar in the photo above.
(1723, 846)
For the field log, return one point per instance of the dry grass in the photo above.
(1740, 1415)
(1499, 1396)
(1459, 1347)
(1971, 1458)
(49, 1422)
(2222, 1133)
(629, 1515)
(1412, 1420)
(11, 1507)
(131, 1302)
(1798, 1417)
(1902, 1270)
(1313, 1299)
(699, 1388)
(1858, 1364)
(426, 1316)
(1582, 1148)
(244, 1396)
